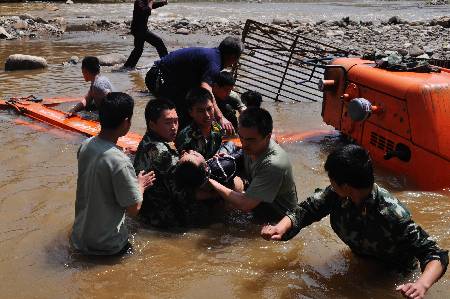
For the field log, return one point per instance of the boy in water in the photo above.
(368, 219)
(107, 185)
(203, 135)
(100, 86)
(227, 100)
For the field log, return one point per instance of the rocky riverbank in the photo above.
(430, 37)
(28, 26)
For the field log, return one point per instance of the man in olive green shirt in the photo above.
(271, 193)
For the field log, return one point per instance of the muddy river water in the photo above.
(227, 260)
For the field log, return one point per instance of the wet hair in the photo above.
(259, 118)
(351, 165)
(251, 98)
(115, 108)
(224, 78)
(189, 176)
(154, 109)
(197, 95)
(231, 46)
(91, 64)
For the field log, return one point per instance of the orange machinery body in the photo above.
(412, 110)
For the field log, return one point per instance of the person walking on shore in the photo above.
(139, 29)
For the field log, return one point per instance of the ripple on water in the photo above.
(38, 181)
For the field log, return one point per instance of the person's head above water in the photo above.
(349, 167)
(255, 130)
(251, 98)
(90, 67)
(162, 119)
(223, 84)
(191, 170)
(116, 112)
(200, 106)
(230, 49)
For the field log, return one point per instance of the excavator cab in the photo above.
(401, 117)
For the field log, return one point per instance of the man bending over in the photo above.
(174, 75)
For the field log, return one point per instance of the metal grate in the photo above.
(440, 63)
(282, 65)
(381, 142)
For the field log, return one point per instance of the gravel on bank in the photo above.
(430, 37)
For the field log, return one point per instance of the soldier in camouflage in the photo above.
(203, 135)
(368, 219)
(156, 152)
(165, 205)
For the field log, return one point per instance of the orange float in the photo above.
(41, 110)
(57, 118)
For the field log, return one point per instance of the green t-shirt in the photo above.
(271, 180)
(106, 186)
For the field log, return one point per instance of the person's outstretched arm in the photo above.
(311, 210)
(433, 260)
(80, 106)
(433, 271)
(239, 200)
(276, 232)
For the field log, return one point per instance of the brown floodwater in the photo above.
(38, 173)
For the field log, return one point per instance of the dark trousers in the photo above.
(139, 39)
(158, 85)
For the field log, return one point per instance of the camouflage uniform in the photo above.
(164, 205)
(229, 106)
(381, 227)
(191, 138)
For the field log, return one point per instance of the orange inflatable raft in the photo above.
(41, 110)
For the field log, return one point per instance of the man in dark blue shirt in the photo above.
(142, 10)
(181, 70)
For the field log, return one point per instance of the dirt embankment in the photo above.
(430, 38)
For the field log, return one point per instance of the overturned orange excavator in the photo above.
(402, 118)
